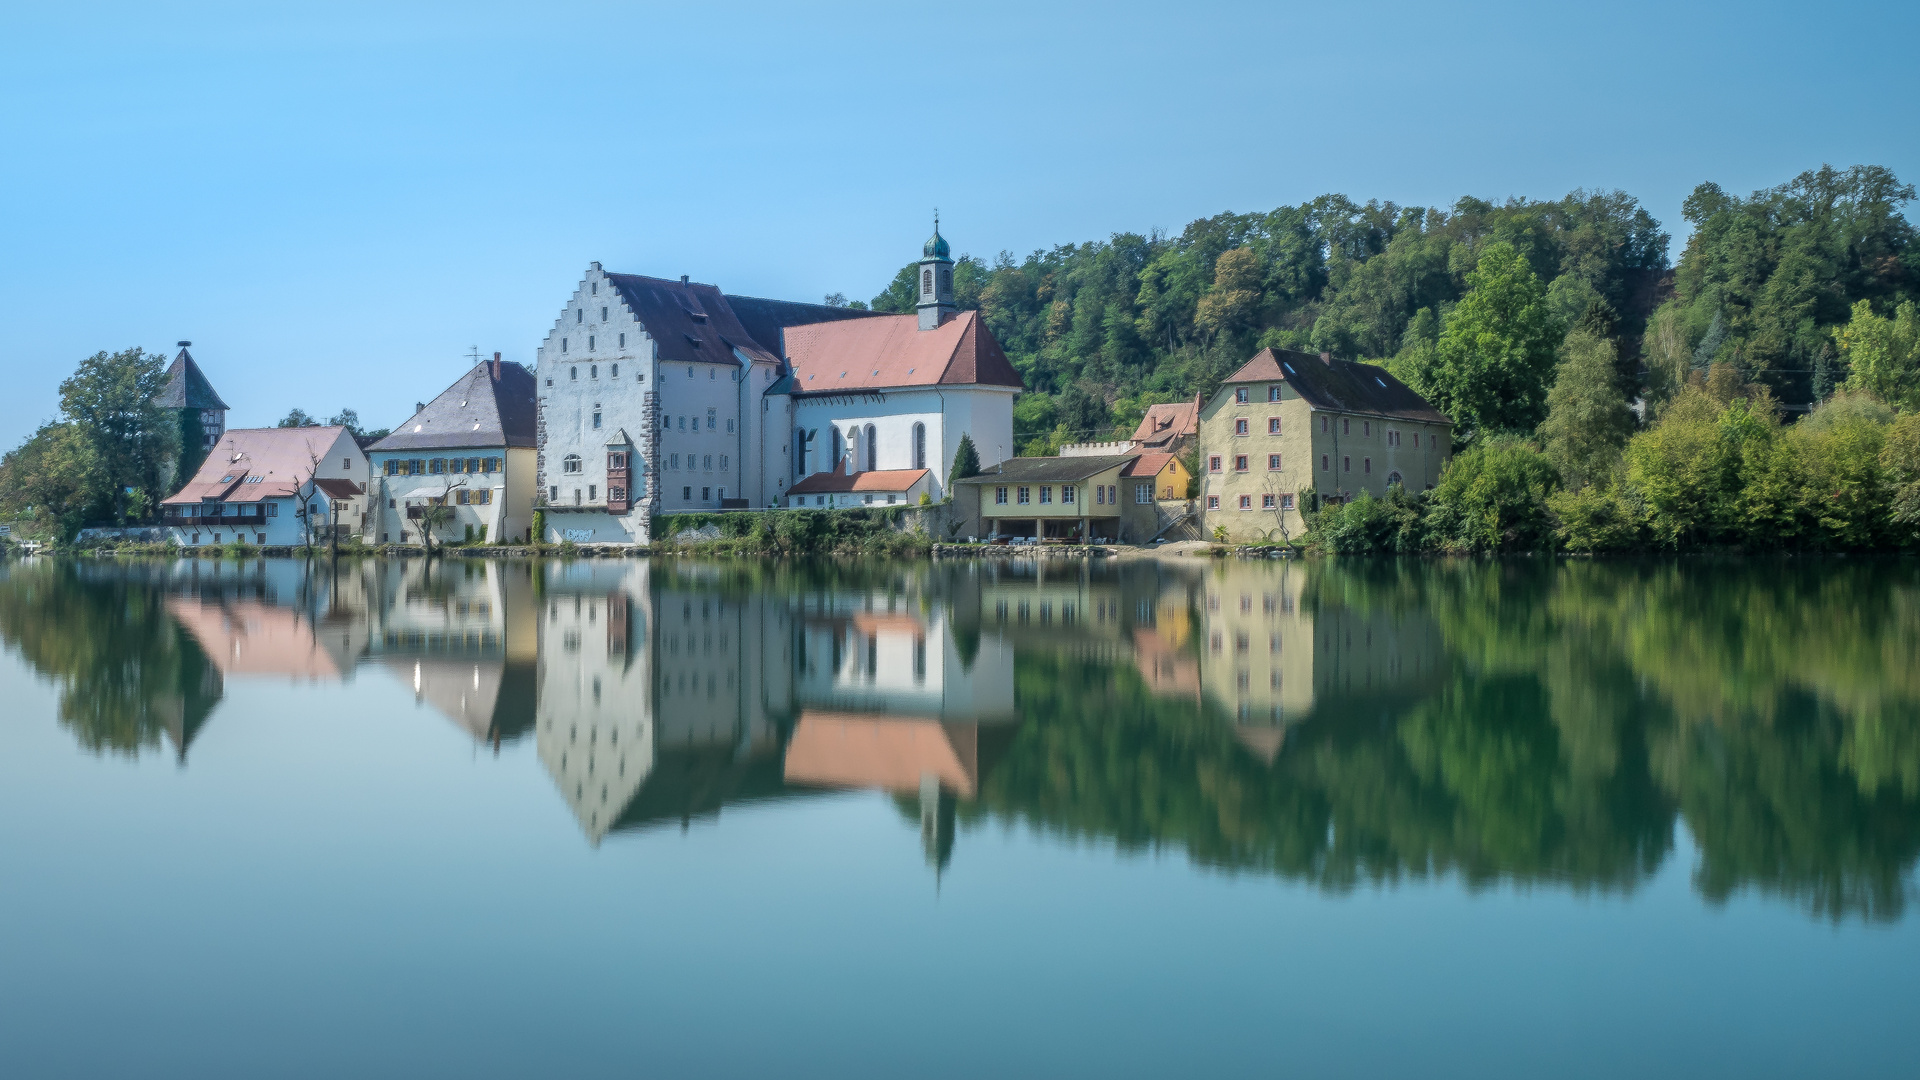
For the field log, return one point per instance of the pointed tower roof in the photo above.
(187, 387)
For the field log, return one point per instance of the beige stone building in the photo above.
(1288, 425)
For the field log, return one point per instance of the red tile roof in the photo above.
(836, 749)
(1168, 421)
(283, 459)
(1146, 465)
(872, 480)
(892, 351)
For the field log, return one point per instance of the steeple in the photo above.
(936, 280)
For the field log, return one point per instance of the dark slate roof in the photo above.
(1339, 385)
(691, 323)
(491, 405)
(1047, 470)
(187, 387)
(766, 319)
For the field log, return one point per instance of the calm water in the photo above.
(678, 819)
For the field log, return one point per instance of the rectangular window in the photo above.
(1346, 464)
(1416, 440)
(1266, 502)
(461, 497)
(683, 423)
(593, 492)
(1346, 426)
(1239, 463)
(686, 493)
(1046, 494)
(456, 465)
(416, 466)
(1366, 428)
(590, 349)
(1213, 502)
(1240, 426)
(1099, 495)
(1240, 395)
(673, 461)
(723, 463)
(706, 494)
(1273, 425)
(490, 465)
(729, 424)
(1023, 495)
(1246, 502)
(603, 314)
(1323, 463)
(1367, 464)
(1213, 463)
(1000, 496)
(710, 419)
(706, 463)
(389, 466)
(1324, 421)
(1273, 462)
(1273, 393)
(1286, 502)
(563, 344)
(483, 497)
(346, 463)
(1142, 494)
(623, 344)
(553, 494)
(1066, 493)
(617, 494)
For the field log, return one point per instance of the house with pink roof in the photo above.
(272, 487)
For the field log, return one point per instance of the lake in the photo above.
(1127, 818)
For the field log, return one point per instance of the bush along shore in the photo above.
(1712, 473)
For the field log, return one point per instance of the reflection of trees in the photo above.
(1775, 711)
(127, 671)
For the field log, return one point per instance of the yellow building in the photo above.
(1288, 425)
(1124, 497)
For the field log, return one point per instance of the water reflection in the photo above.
(1337, 723)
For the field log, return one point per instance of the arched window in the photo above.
(1393, 478)
(873, 448)
(919, 446)
(839, 449)
(570, 463)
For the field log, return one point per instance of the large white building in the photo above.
(659, 396)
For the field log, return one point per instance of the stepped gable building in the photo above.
(473, 448)
(657, 396)
(190, 395)
(1291, 424)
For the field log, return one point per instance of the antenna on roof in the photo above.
(473, 353)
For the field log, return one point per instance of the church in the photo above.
(659, 396)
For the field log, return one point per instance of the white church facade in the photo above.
(659, 396)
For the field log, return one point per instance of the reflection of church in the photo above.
(664, 695)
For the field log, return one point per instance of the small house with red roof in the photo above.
(272, 487)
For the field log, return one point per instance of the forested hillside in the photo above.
(1103, 328)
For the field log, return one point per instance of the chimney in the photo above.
(419, 407)
(683, 279)
(496, 365)
(1326, 358)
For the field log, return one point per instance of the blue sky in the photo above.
(336, 202)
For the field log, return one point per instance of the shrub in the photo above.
(1494, 498)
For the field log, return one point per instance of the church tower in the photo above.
(936, 304)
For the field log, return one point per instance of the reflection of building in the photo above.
(1270, 661)
(594, 724)
(247, 637)
(462, 637)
